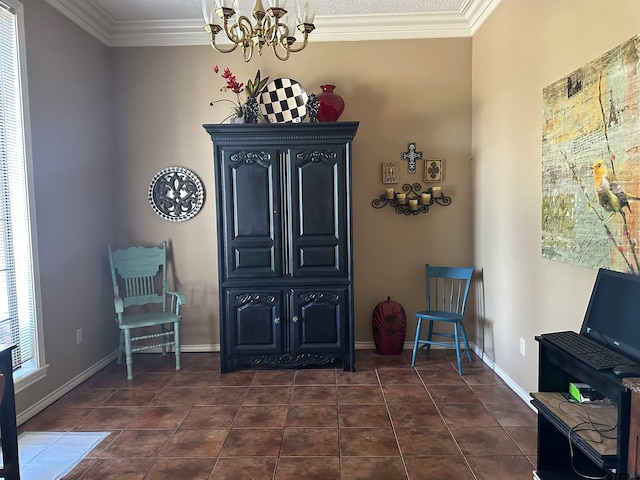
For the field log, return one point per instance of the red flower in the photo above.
(232, 82)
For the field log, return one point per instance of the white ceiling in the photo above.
(127, 23)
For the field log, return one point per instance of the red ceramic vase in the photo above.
(389, 327)
(331, 104)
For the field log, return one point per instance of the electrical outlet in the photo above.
(522, 347)
(79, 336)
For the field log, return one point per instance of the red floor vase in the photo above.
(331, 104)
(389, 327)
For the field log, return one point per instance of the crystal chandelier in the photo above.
(272, 28)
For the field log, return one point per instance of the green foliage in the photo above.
(256, 85)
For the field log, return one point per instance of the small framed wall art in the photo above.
(390, 172)
(433, 170)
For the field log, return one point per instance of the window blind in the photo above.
(17, 303)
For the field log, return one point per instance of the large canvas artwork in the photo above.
(591, 163)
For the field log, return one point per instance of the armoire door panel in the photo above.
(254, 321)
(252, 201)
(319, 218)
(319, 323)
(251, 204)
(317, 182)
(255, 260)
(319, 257)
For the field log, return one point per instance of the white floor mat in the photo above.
(51, 455)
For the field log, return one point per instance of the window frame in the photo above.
(35, 369)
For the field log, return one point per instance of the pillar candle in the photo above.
(426, 198)
(402, 198)
(437, 191)
(413, 204)
(388, 193)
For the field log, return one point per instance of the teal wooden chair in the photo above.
(143, 300)
(447, 289)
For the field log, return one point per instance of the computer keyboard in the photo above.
(589, 351)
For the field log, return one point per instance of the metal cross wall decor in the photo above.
(411, 156)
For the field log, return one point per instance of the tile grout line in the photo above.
(219, 456)
(446, 424)
(499, 424)
(339, 429)
(395, 375)
(395, 434)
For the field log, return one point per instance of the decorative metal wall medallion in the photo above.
(176, 194)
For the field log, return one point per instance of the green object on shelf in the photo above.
(583, 392)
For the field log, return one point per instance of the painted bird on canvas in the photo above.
(610, 193)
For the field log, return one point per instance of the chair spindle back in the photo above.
(143, 274)
(447, 288)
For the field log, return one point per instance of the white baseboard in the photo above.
(367, 346)
(57, 394)
(501, 373)
(526, 398)
(212, 347)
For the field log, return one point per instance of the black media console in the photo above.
(594, 452)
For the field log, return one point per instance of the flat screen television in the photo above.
(613, 314)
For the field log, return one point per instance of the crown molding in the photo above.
(477, 12)
(88, 15)
(91, 17)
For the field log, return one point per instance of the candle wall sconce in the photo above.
(412, 200)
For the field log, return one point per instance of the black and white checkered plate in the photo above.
(283, 100)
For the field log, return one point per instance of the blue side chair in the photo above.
(447, 289)
(142, 300)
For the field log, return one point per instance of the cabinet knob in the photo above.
(276, 320)
(295, 319)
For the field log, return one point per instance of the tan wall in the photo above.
(74, 180)
(523, 47)
(400, 91)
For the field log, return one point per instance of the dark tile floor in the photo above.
(386, 421)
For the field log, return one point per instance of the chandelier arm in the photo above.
(304, 44)
(221, 50)
(238, 32)
(241, 33)
(306, 29)
(247, 51)
(274, 47)
(213, 30)
(270, 29)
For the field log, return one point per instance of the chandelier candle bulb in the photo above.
(401, 198)
(413, 204)
(306, 11)
(437, 191)
(425, 198)
(388, 193)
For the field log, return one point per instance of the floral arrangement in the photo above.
(247, 109)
